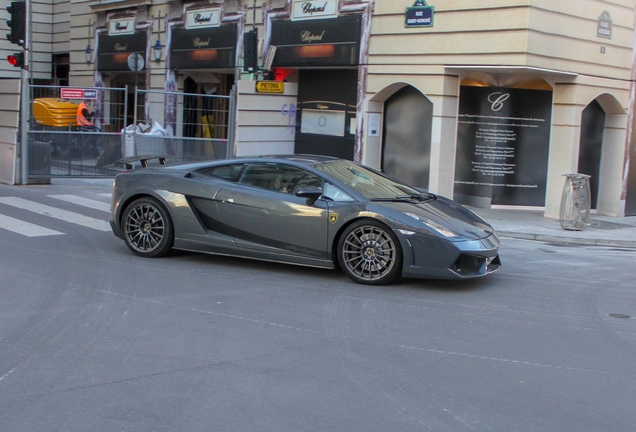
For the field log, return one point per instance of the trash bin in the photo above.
(128, 141)
(575, 202)
(143, 140)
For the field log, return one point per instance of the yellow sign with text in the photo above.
(270, 86)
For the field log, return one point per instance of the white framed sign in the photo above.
(202, 18)
(322, 122)
(312, 9)
(121, 26)
(375, 122)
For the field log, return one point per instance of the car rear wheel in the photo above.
(369, 253)
(147, 228)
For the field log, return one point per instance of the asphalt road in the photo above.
(93, 338)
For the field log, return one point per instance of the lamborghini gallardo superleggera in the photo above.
(302, 209)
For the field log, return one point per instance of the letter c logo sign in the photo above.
(497, 99)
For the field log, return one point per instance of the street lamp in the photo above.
(157, 49)
(89, 53)
(89, 50)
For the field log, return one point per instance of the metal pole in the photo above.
(135, 110)
(125, 122)
(24, 101)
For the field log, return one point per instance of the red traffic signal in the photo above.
(16, 59)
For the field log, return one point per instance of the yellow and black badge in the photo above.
(333, 217)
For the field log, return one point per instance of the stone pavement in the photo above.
(532, 225)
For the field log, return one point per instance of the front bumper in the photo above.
(431, 257)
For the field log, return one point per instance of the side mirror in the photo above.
(312, 193)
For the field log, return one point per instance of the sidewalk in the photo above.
(532, 225)
(521, 224)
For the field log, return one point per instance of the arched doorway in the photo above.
(602, 151)
(406, 149)
(591, 146)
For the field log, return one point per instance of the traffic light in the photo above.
(250, 51)
(17, 22)
(16, 59)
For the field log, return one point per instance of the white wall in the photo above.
(264, 128)
(9, 117)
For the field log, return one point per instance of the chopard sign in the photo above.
(121, 26)
(309, 8)
(121, 48)
(309, 37)
(203, 18)
(200, 43)
(304, 9)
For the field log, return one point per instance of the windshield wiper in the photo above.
(416, 197)
(420, 196)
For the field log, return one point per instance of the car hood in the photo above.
(448, 214)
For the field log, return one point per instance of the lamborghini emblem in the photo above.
(333, 217)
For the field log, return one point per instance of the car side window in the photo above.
(226, 172)
(278, 177)
(334, 193)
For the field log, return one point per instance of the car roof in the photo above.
(301, 159)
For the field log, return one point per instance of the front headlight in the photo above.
(435, 226)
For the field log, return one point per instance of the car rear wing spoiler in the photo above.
(143, 160)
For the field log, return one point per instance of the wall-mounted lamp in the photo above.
(158, 47)
(89, 53)
(157, 50)
(89, 50)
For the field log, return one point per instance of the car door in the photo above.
(263, 213)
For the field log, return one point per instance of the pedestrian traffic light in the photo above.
(17, 22)
(250, 51)
(16, 59)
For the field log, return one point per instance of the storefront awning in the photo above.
(206, 48)
(505, 69)
(321, 42)
(113, 51)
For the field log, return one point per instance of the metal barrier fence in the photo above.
(128, 122)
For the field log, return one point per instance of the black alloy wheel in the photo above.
(370, 253)
(147, 228)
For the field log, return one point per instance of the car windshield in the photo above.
(372, 185)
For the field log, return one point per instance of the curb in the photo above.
(631, 244)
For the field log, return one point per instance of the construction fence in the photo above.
(127, 123)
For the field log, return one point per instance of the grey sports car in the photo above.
(302, 209)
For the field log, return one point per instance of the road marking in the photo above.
(25, 228)
(56, 213)
(84, 202)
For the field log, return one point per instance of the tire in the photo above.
(370, 253)
(147, 228)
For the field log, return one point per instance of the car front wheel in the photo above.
(147, 228)
(369, 253)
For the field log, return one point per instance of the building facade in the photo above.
(510, 96)
(489, 102)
